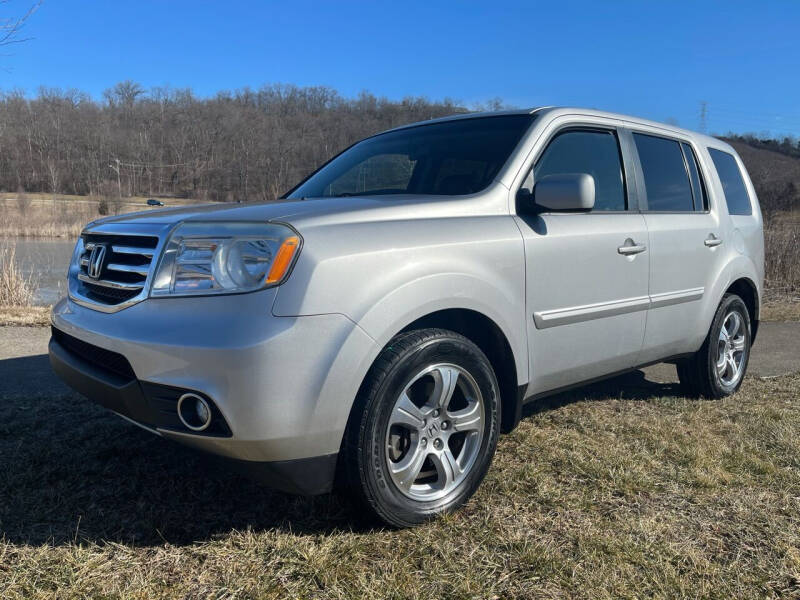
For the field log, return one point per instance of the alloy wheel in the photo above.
(434, 433)
(731, 349)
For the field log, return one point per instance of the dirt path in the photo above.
(24, 367)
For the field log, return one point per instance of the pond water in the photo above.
(47, 262)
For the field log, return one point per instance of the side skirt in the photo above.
(572, 386)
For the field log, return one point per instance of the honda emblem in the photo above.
(96, 258)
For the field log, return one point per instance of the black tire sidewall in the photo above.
(444, 348)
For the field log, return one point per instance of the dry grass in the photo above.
(41, 216)
(45, 218)
(30, 316)
(15, 288)
(619, 491)
(782, 266)
(781, 308)
(782, 255)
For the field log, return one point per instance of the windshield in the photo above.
(449, 158)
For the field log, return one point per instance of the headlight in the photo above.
(225, 258)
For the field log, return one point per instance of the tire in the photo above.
(424, 427)
(704, 373)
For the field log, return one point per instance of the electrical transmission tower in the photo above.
(703, 115)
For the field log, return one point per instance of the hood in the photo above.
(301, 212)
(276, 210)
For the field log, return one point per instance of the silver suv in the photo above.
(381, 324)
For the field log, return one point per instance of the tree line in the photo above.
(244, 145)
(788, 145)
(774, 168)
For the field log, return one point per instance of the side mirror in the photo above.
(565, 191)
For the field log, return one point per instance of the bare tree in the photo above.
(10, 27)
(241, 145)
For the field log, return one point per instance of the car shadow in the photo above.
(633, 385)
(72, 471)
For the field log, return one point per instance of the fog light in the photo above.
(194, 412)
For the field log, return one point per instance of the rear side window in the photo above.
(593, 152)
(736, 196)
(665, 174)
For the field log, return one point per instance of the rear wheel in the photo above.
(424, 429)
(718, 368)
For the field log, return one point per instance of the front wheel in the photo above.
(424, 428)
(717, 369)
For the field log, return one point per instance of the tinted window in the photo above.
(383, 172)
(593, 152)
(698, 189)
(665, 179)
(452, 158)
(732, 183)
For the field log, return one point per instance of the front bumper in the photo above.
(282, 386)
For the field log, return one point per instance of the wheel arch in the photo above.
(746, 289)
(485, 333)
(489, 337)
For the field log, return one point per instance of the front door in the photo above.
(586, 273)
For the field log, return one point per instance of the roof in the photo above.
(565, 110)
(469, 115)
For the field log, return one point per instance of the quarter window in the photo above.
(593, 152)
(666, 179)
(736, 196)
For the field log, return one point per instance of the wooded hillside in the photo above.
(243, 145)
(248, 145)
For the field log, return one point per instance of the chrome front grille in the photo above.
(113, 265)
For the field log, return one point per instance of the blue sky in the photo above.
(654, 59)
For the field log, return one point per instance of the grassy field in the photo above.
(624, 489)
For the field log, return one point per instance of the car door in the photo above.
(586, 273)
(685, 243)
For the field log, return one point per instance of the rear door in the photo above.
(586, 273)
(685, 242)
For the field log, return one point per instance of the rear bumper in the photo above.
(153, 407)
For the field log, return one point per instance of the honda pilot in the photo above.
(380, 325)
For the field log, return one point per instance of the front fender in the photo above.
(426, 295)
(385, 275)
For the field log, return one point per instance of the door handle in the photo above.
(712, 241)
(629, 248)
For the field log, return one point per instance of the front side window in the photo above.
(666, 179)
(456, 157)
(595, 153)
(736, 195)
